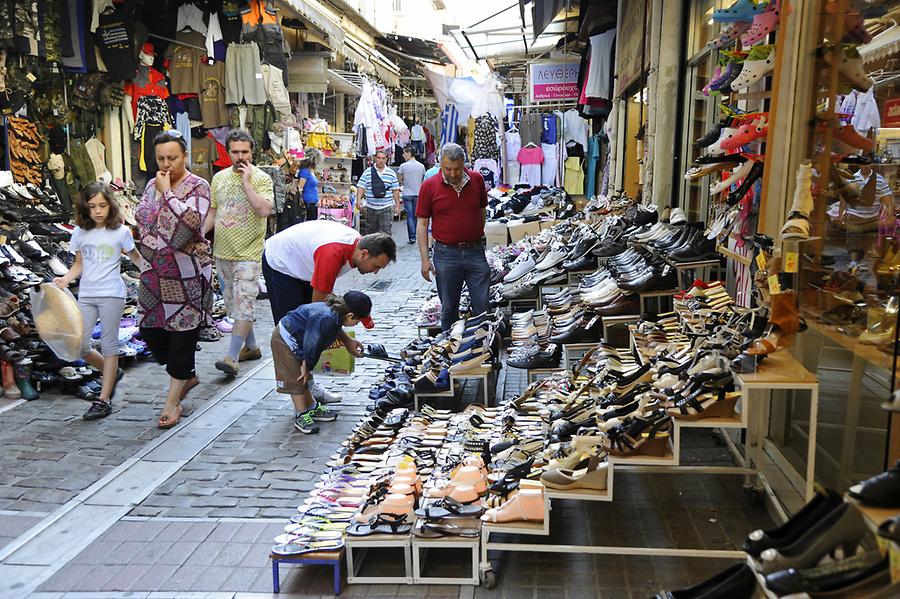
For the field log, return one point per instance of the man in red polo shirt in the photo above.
(454, 201)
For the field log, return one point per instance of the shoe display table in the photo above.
(422, 548)
(357, 551)
(321, 558)
(779, 371)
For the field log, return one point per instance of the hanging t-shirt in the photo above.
(575, 128)
(530, 158)
(490, 172)
(230, 21)
(185, 60)
(548, 128)
(203, 152)
(600, 69)
(573, 182)
(115, 40)
(190, 17)
(212, 95)
(101, 249)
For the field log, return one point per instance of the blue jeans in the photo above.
(452, 268)
(409, 205)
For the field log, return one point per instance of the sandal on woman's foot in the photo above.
(166, 421)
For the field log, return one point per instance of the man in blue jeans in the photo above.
(454, 201)
(411, 174)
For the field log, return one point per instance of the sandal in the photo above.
(383, 523)
(448, 507)
(167, 422)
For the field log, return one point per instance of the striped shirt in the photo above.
(389, 177)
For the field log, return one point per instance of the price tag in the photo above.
(761, 260)
(31, 77)
(774, 285)
(895, 562)
(790, 262)
(2, 239)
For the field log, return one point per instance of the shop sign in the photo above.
(554, 81)
(891, 112)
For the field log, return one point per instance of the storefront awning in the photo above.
(320, 20)
(882, 45)
(345, 82)
(372, 61)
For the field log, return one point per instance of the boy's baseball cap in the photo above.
(361, 306)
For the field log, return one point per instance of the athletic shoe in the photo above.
(322, 395)
(321, 413)
(304, 423)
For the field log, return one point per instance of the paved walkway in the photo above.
(118, 508)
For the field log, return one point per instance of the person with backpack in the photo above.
(372, 193)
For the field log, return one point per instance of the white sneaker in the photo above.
(56, 265)
(322, 395)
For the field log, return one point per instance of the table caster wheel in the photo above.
(490, 579)
(756, 497)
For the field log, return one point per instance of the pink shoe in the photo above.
(763, 24)
(716, 75)
(746, 133)
(727, 37)
(224, 326)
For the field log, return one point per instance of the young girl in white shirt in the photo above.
(98, 242)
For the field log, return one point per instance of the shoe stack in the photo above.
(518, 204)
(572, 320)
(530, 346)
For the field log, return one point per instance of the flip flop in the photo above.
(448, 507)
(301, 547)
(167, 422)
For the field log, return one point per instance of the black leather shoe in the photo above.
(879, 491)
(755, 173)
(737, 582)
(790, 531)
(832, 576)
(588, 261)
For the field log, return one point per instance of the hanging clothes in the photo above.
(531, 128)
(593, 155)
(530, 158)
(486, 142)
(599, 79)
(449, 124)
(575, 128)
(513, 145)
(573, 182)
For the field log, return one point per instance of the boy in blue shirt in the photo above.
(299, 340)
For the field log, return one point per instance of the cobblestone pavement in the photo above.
(120, 509)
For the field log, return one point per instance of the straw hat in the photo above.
(59, 323)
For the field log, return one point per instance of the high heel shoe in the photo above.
(644, 435)
(735, 582)
(843, 527)
(593, 476)
(790, 531)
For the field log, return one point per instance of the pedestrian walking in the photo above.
(175, 295)
(99, 239)
(411, 173)
(298, 342)
(372, 192)
(242, 200)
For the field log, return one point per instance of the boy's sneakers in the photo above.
(321, 413)
(99, 409)
(304, 423)
(228, 366)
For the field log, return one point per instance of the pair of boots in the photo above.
(784, 323)
(17, 380)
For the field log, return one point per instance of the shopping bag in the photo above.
(58, 320)
(336, 359)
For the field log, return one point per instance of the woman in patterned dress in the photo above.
(175, 295)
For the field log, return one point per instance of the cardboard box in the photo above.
(518, 232)
(496, 233)
(546, 224)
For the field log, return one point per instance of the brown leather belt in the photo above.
(463, 245)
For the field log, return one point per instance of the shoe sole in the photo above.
(308, 431)
(326, 418)
(325, 401)
(229, 370)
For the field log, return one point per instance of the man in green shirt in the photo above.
(242, 200)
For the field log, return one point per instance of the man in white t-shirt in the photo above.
(301, 264)
(411, 174)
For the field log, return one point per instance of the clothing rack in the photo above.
(546, 105)
(174, 41)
